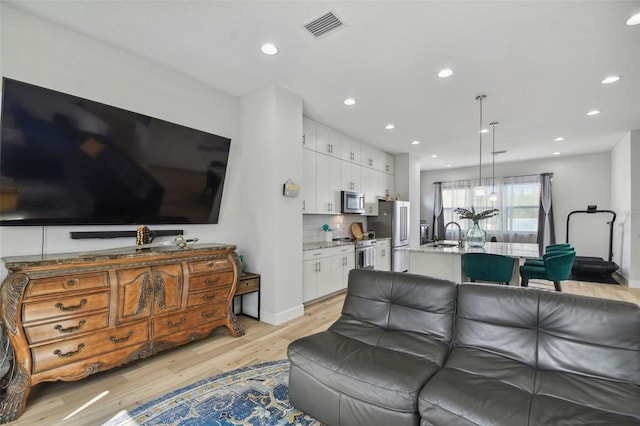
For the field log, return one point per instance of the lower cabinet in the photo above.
(383, 255)
(326, 271)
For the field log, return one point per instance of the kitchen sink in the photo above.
(443, 245)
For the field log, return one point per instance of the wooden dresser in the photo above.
(68, 316)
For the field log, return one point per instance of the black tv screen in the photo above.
(66, 160)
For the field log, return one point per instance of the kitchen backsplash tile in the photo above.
(340, 224)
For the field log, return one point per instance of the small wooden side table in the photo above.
(248, 283)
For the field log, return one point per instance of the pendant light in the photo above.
(479, 190)
(493, 197)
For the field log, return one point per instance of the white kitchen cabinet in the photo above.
(383, 255)
(370, 189)
(386, 163)
(342, 263)
(350, 176)
(326, 271)
(308, 189)
(328, 184)
(386, 185)
(369, 156)
(350, 150)
(309, 139)
(328, 141)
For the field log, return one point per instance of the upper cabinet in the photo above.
(335, 162)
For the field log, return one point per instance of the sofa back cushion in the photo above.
(401, 302)
(552, 331)
(589, 336)
(498, 319)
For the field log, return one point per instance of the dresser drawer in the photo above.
(209, 265)
(39, 287)
(67, 327)
(187, 320)
(56, 354)
(56, 307)
(209, 281)
(248, 286)
(214, 295)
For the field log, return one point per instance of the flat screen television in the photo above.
(66, 160)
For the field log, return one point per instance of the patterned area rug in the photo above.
(256, 395)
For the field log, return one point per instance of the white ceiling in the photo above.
(540, 64)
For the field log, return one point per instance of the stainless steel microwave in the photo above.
(352, 202)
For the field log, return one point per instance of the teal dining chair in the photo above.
(488, 267)
(556, 267)
(549, 251)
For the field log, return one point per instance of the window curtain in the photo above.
(438, 216)
(546, 228)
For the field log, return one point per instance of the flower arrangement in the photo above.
(471, 214)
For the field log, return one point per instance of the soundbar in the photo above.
(80, 235)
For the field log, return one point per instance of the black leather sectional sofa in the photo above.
(411, 350)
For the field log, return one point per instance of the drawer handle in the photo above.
(205, 315)
(207, 297)
(122, 339)
(176, 324)
(207, 281)
(72, 282)
(68, 354)
(210, 264)
(70, 329)
(71, 308)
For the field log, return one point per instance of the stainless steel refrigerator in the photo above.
(393, 222)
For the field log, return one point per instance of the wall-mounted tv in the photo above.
(66, 160)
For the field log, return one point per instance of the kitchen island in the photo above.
(444, 259)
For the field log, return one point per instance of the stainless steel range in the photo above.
(366, 254)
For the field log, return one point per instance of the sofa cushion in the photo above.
(589, 336)
(477, 387)
(376, 375)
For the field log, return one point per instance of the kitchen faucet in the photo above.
(459, 232)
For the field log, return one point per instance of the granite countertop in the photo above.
(522, 250)
(14, 262)
(326, 244)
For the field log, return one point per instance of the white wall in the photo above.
(577, 182)
(621, 203)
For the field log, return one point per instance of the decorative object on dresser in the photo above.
(68, 316)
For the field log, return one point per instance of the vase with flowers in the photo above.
(476, 236)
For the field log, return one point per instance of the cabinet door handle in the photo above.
(205, 315)
(206, 297)
(176, 324)
(304, 139)
(122, 339)
(68, 354)
(71, 308)
(70, 329)
(207, 281)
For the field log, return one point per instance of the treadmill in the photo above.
(586, 268)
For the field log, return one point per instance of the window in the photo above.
(518, 202)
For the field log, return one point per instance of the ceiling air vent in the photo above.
(324, 25)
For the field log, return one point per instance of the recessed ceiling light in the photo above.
(445, 72)
(610, 79)
(434, 156)
(389, 126)
(556, 153)
(269, 49)
(593, 112)
(559, 139)
(484, 131)
(634, 20)
(415, 143)
(349, 101)
(448, 165)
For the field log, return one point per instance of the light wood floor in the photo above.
(135, 384)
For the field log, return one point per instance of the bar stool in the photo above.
(488, 267)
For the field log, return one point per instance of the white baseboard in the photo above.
(282, 317)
